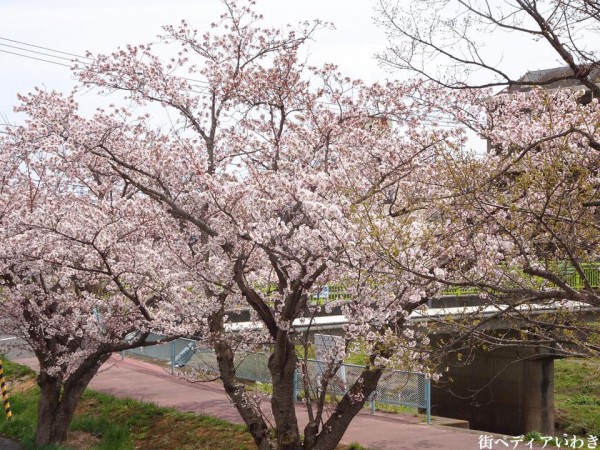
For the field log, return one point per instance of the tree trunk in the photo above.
(47, 430)
(235, 391)
(282, 365)
(58, 400)
(334, 428)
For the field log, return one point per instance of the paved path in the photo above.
(9, 444)
(143, 381)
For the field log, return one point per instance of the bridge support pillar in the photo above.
(538, 401)
(508, 391)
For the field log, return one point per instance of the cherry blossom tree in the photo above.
(277, 177)
(80, 256)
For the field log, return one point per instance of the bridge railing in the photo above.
(566, 272)
(591, 273)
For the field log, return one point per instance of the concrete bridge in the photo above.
(508, 390)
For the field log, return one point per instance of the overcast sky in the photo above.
(75, 26)
(100, 26)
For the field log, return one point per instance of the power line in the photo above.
(66, 53)
(38, 59)
(44, 48)
(36, 52)
(202, 90)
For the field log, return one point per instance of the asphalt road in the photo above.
(8, 444)
(12, 348)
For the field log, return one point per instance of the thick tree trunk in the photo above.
(282, 365)
(47, 430)
(58, 401)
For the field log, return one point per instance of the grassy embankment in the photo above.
(577, 396)
(103, 422)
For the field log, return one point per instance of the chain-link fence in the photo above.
(181, 353)
(395, 387)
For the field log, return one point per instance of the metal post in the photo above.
(295, 385)
(372, 399)
(172, 357)
(4, 394)
(428, 399)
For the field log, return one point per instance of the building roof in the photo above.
(564, 76)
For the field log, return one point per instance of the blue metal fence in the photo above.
(395, 387)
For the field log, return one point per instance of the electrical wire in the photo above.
(66, 53)
(38, 59)
(43, 48)
(36, 52)
(49, 55)
(202, 90)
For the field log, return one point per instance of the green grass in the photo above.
(16, 371)
(359, 359)
(577, 396)
(394, 409)
(356, 446)
(122, 424)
